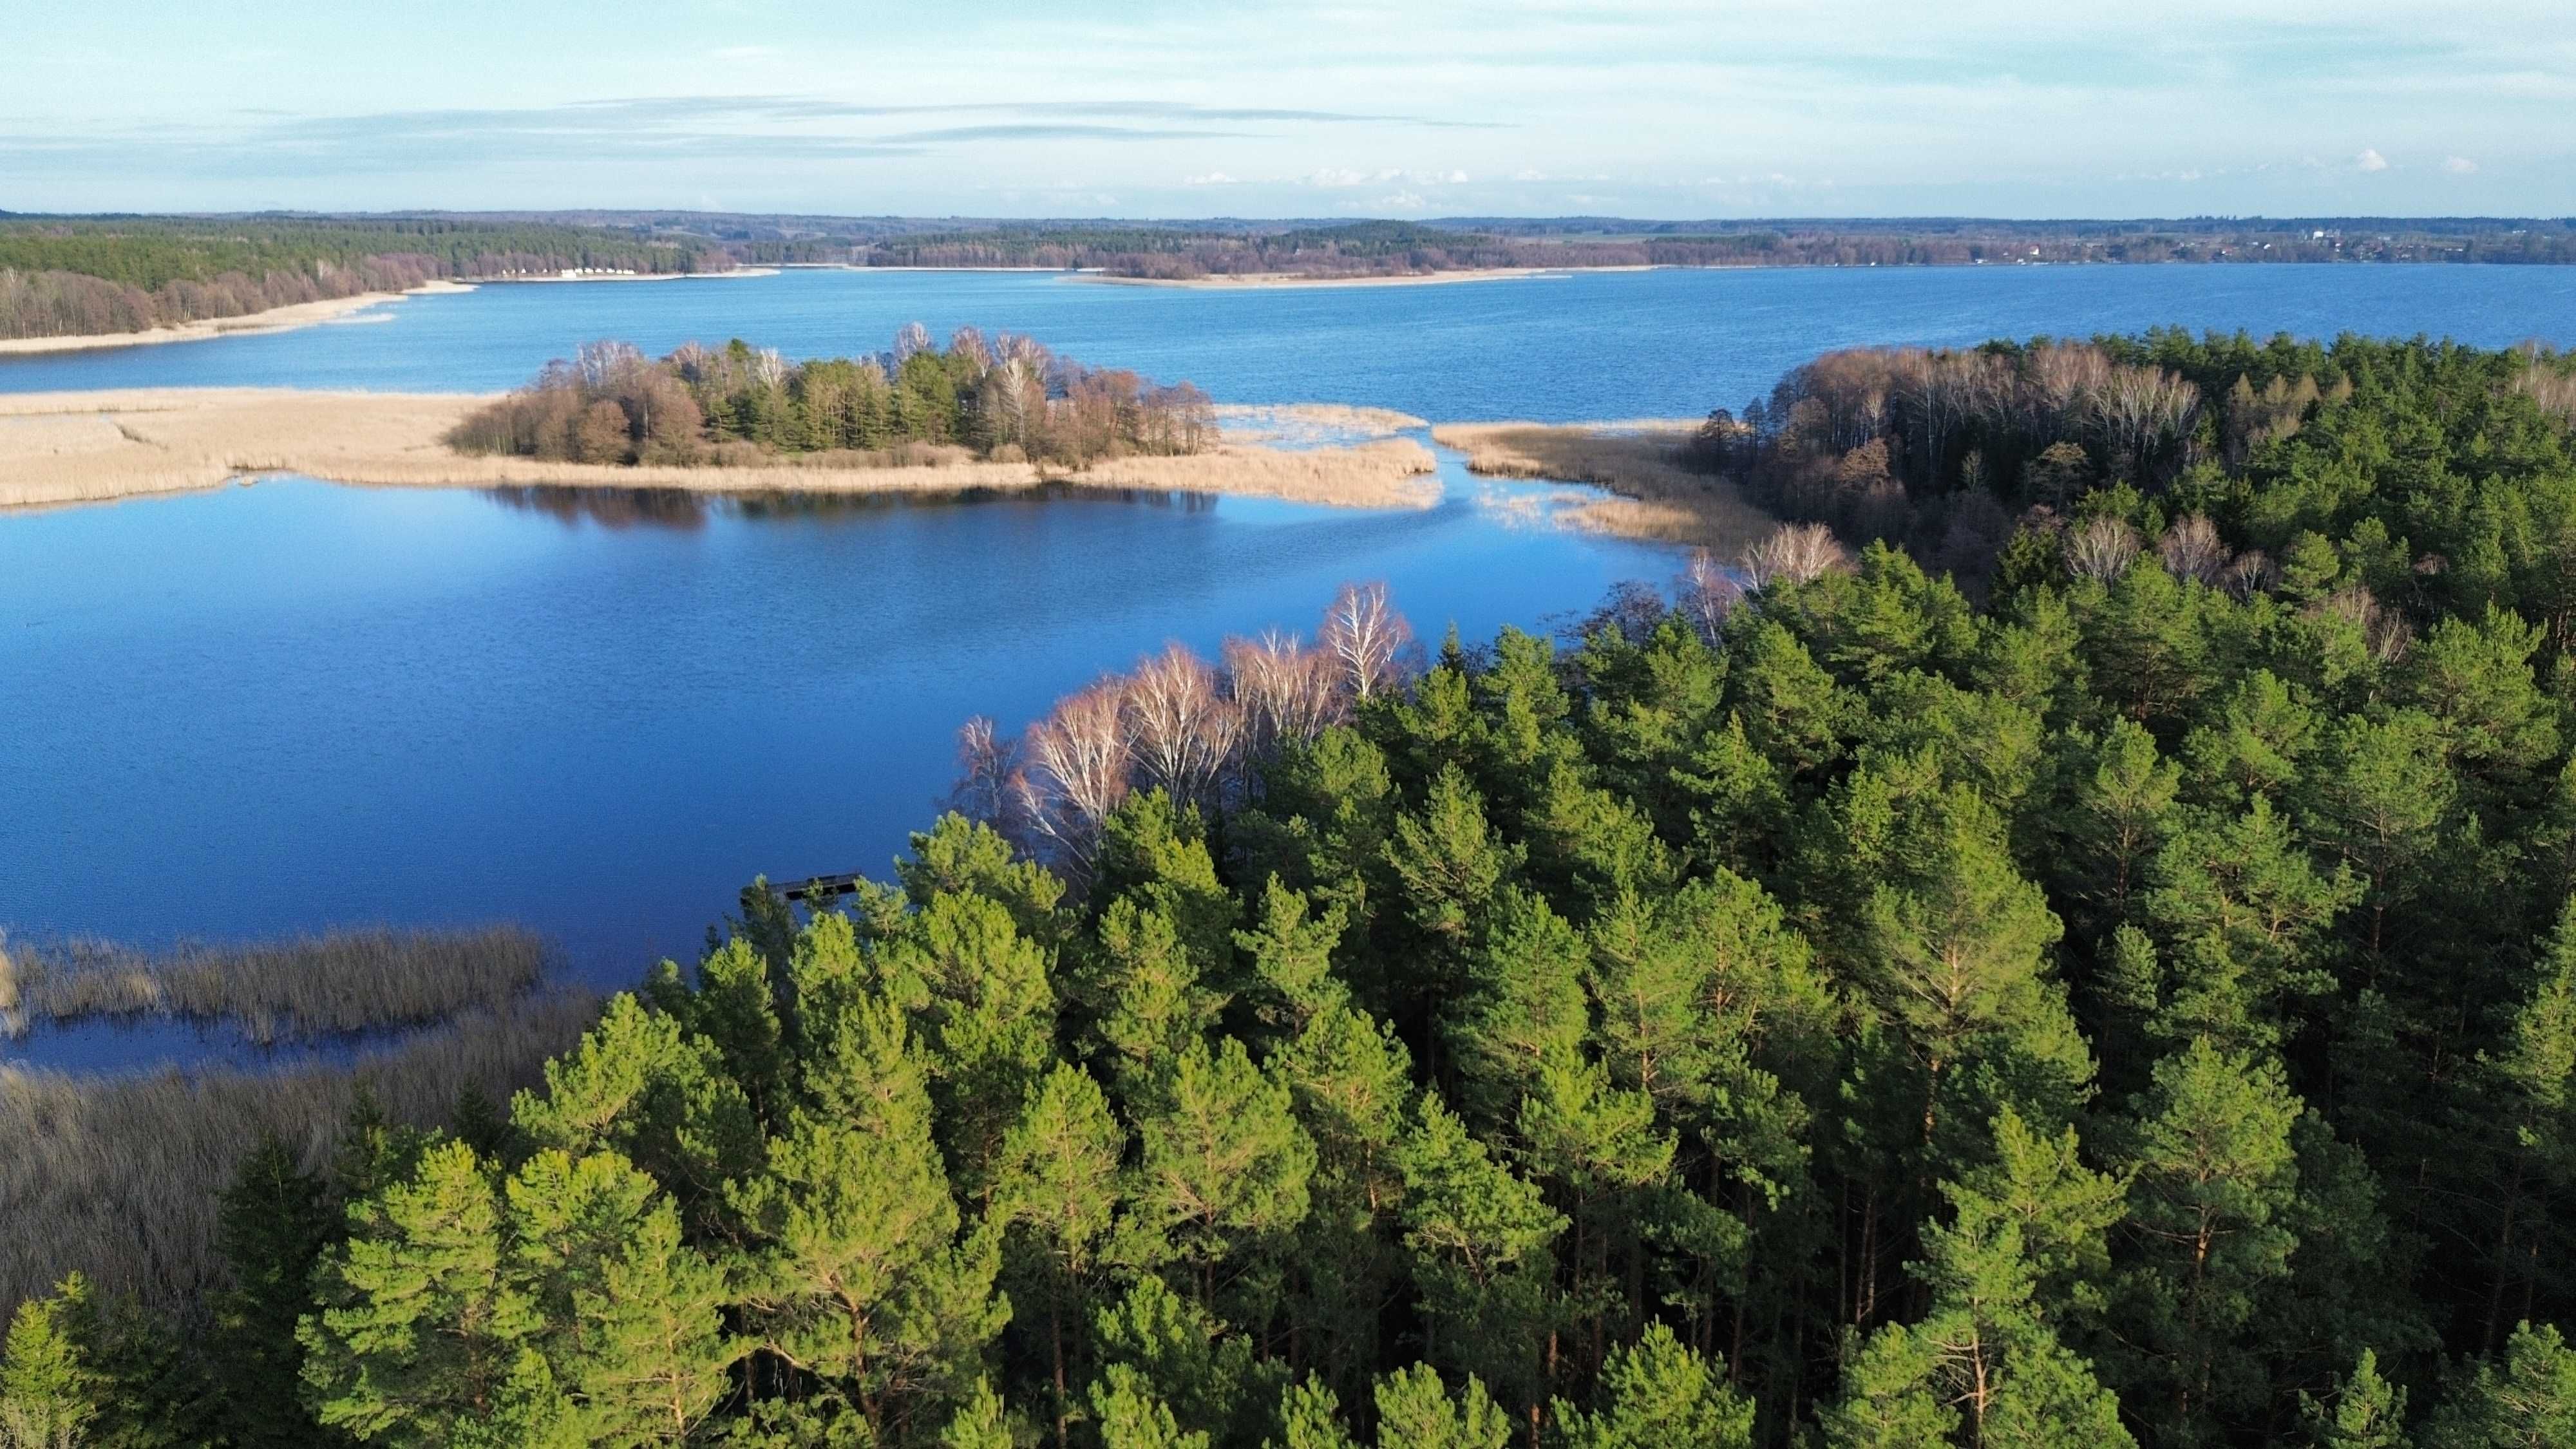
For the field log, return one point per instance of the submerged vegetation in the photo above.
(1007, 399)
(2131, 1004)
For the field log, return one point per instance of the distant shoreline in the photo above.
(86, 447)
(298, 315)
(1266, 281)
(289, 318)
(540, 277)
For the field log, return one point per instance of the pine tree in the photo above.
(2366, 1412)
(48, 1394)
(1225, 1167)
(2214, 1177)
(2527, 1402)
(1057, 1186)
(1416, 1410)
(1131, 1416)
(981, 1422)
(633, 1331)
(1657, 1392)
(271, 1227)
(420, 1324)
(1479, 1238)
(862, 1275)
(1310, 1417)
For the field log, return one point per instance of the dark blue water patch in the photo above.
(1584, 346)
(269, 709)
(148, 1042)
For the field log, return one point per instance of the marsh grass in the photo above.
(1659, 499)
(60, 448)
(117, 1177)
(340, 982)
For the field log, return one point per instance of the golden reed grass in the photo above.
(342, 981)
(77, 447)
(1659, 499)
(115, 1177)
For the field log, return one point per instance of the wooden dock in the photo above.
(821, 887)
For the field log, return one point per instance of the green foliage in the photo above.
(1666, 1039)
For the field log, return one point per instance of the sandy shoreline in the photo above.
(335, 309)
(1637, 459)
(249, 324)
(79, 447)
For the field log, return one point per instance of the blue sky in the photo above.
(1155, 108)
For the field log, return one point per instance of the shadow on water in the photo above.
(687, 509)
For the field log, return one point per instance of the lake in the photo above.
(272, 708)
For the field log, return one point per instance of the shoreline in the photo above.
(289, 318)
(738, 273)
(90, 447)
(1636, 460)
(1279, 281)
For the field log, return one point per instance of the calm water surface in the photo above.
(1599, 345)
(280, 707)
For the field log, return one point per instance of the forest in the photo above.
(2126, 999)
(1185, 251)
(88, 276)
(1005, 399)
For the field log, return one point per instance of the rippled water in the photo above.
(289, 705)
(1597, 345)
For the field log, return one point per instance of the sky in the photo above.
(1198, 108)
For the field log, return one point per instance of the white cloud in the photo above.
(2460, 166)
(1334, 176)
(1455, 178)
(1210, 178)
(2370, 160)
(1529, 173)
(1397, 201)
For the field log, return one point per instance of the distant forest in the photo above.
(1371, 248)
(83, 276)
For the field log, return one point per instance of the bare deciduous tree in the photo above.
(1367, 636)
(2251, 574)
(1793, 554)
(1706, 592)
(2192, 549)
(1076, 771)
(2384, 632)
(2101, 547)
(1181, 728)
(1287, 691)
(985, 764)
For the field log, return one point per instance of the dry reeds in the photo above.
(77, 447)
(1660, 500)
(115, 1177)
(344, 981)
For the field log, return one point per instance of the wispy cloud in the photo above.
(2370, 160)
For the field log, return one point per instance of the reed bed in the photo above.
(76, 447)
(115, 1177)
(342, 981)
(1659, 499)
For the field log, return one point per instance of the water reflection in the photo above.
(688, 509)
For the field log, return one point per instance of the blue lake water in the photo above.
(278, 707)
(1584, 346)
